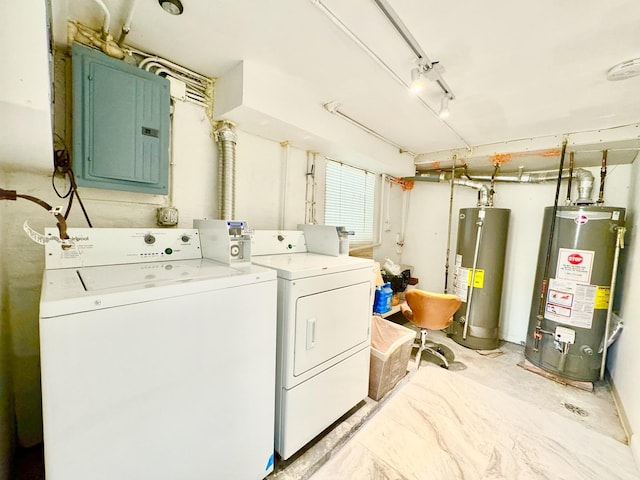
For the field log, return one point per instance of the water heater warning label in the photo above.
(575, 265)
(462, 280)
(602, 298)
(570, 303)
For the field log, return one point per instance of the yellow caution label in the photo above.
(602, 298)
(478, 279)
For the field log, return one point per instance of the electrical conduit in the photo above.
(285, 181)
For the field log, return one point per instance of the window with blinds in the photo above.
(349, 200)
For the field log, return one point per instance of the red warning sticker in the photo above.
(575, 265)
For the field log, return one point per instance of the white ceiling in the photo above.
(525, 74)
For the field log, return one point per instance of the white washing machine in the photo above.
(156, 364)
(324, 316)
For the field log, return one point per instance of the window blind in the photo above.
(349, 200)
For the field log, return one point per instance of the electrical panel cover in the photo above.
(120, 124)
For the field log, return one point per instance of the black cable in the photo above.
(545, 276)
(69, 203)
(75, 190)
(55, 189)
(62, 165)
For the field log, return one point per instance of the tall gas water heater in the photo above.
(567, 323)
(479, 269)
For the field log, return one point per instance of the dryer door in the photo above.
(330, 323)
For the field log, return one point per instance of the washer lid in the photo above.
(292, 266)
(72, 290)
(150, 274)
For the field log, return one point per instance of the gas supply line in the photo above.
(537, 334)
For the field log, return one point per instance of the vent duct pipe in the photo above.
(226, 139)
(484, 199)
(582, 176)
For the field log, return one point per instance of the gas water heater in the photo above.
(570, 306)
(479, 268)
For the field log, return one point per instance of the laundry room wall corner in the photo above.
(7, 433)
(624, 356)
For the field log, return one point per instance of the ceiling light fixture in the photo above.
(417, 82)
(426, 68)
(624, 70)
(401, 80)
(444, 106)
(174, 7)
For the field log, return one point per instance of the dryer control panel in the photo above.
(116, 246)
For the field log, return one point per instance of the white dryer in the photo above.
(148, 369)
(324, 315)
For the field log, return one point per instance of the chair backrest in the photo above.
(433, 311)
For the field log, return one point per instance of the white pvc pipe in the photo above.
(406, 197)
(107, 18)
(383, 188)
(310, 190)
(127, 22)
(126, 26)
(285, 181)
(172, 65)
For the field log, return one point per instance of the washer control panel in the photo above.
(115, 246)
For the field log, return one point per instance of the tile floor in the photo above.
(485, 418)
(490, 420)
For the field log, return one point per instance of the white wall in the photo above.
(395, 205)
(260, 197)
(260, 180)
(25, 105)
(624, 356)
(427, 236)
(25, 140)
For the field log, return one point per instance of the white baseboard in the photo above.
(633, 440)
(634, 443)
(622, 414)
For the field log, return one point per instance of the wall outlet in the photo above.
(167, 216)
(387, 225)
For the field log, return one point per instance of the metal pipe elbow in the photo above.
(585, 185)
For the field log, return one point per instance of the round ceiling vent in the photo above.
(174, 7)
(621, 71)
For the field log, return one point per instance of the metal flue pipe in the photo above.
(484, 198)
(582, 176)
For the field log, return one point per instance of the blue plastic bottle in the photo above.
(382, 299)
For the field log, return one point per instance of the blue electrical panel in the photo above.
(120, 124)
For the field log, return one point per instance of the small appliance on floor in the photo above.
(148, 356)
(324, 319)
